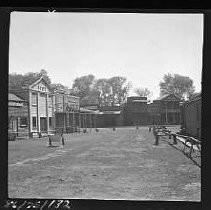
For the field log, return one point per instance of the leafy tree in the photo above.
(193, 95)
(145, 92)
(18, 81)
(43, 73)
(59, 86)
(103, 90)
(119, 90)
(83, 85)
(180, 86)
(90, 99)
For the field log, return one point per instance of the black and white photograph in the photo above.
(105, 106)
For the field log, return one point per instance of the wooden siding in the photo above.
(33, 111)
(42, 106)
(192, 118)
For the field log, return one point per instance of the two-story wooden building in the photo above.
(135, 111)
(67, 111)
(47, 111)
(39, 100)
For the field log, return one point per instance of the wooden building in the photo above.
(66, 108)
(191, 116)
(135, 111)
(154, 115)
(110, 116)
(39, 99)
(88, 118)
(18, 118)
(165, 110)
(47, 111)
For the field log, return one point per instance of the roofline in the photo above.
(37, 81)
(166, 96)
(196, 99)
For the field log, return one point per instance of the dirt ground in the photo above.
(121, 164)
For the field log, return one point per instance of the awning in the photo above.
(88, 111)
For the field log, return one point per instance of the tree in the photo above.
(119, 90)
(18, 81)
(43, 73)
(83, 85)
(180, 86)
(103, 90)
(58, 86)
(144, 92)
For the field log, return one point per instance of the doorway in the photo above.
(43, 124)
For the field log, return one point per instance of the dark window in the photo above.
(34, 122)
(23, 122)
(42, 94)
(50, 121)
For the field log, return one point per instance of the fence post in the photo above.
(156, 139)
(62, 139)
(174, 138)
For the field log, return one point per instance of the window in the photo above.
(50, 122)
(42, 94)
(50, 101)
(23, 122)
(34, 99)
(34, 122)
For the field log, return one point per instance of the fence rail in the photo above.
(189, 142)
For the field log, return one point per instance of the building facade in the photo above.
(18, 119)
(191, 116)
(165, 110)
(135, 111)
(110, 116)
(67, 112)
(47, 110)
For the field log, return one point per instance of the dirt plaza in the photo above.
(121, 164)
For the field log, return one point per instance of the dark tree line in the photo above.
(107, 91)
(104, 92)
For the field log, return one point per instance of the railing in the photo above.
(189, 142)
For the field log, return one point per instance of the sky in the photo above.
(139, 46)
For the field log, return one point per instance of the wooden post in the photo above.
(47, 115)
(174, 138)
(166, 114)
(79, 121)
(156, 138)
(17, 126)
(38, 120)
(85, 121)
(90, 117)
(73, 121)
(29, 113)
(95, 123)
(64, 125)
